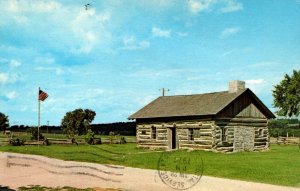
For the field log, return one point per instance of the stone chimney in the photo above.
(236, 85)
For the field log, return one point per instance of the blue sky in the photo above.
(114, 57)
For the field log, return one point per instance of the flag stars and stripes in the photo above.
(42, 95)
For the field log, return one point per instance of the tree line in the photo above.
(122, 128)
(284, 127)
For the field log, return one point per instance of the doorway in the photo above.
(172, 138)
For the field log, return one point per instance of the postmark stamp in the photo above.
(187, 171)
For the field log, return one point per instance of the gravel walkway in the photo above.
(21, 170)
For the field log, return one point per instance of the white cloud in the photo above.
(157, 32)
(29, 6)
(11, 95)
(254, 82)
(231, 6)
(89, 28)
(130, 43)
(14, 63)
(8, 78)
(196, 6)
(257, 85)
(227, 6)
(4, 78)
(229, 32)
(57, 70)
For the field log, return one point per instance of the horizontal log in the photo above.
(244, 120)
(223, 144)
(231, 124)
(203, 138)
(144, 136)
(203, 142)
(259, 139)
(190, 148)
(161, 138)
(259, 143)
(196, 146)
(154, 143)
(144, 129)
(205, 133)
(225, 149)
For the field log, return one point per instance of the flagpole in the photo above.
(39, 116)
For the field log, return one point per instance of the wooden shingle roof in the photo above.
(192, 105)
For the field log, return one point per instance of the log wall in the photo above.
(144, 136)
(244, 134)
(250, 134)
(203, 135)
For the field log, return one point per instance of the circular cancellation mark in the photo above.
(188, 170)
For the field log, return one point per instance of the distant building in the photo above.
(228, 121)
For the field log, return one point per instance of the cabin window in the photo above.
(260, 132)
(191, 134)
(224, 134)
(144, 132)
(153, 132)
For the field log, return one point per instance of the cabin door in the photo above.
(172, 138)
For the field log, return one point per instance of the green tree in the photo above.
(77, 122)
(4, 122)
(287, 95)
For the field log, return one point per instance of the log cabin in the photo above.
(227, 121)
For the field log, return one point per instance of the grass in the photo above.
(280, 165)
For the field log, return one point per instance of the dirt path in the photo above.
(20, 170)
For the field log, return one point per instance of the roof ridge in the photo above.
(204, 93)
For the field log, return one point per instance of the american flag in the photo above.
(42, 95)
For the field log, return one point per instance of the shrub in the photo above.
(111, 137)
(89, 137)
(74, 141)
(34, 134)
(16, 142)
(122, 140)
(46, 142)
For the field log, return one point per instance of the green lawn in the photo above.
(280, 165)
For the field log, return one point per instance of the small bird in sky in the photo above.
(87, 6)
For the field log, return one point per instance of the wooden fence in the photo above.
(285, 140)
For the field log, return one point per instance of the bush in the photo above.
(16, 142)
(34, 134)
(46, 142)
(111, 137)
(122, 140)
(89, 137)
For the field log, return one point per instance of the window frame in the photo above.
(153, 133)
(224, 136)
(260, 132)
(191, 134)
